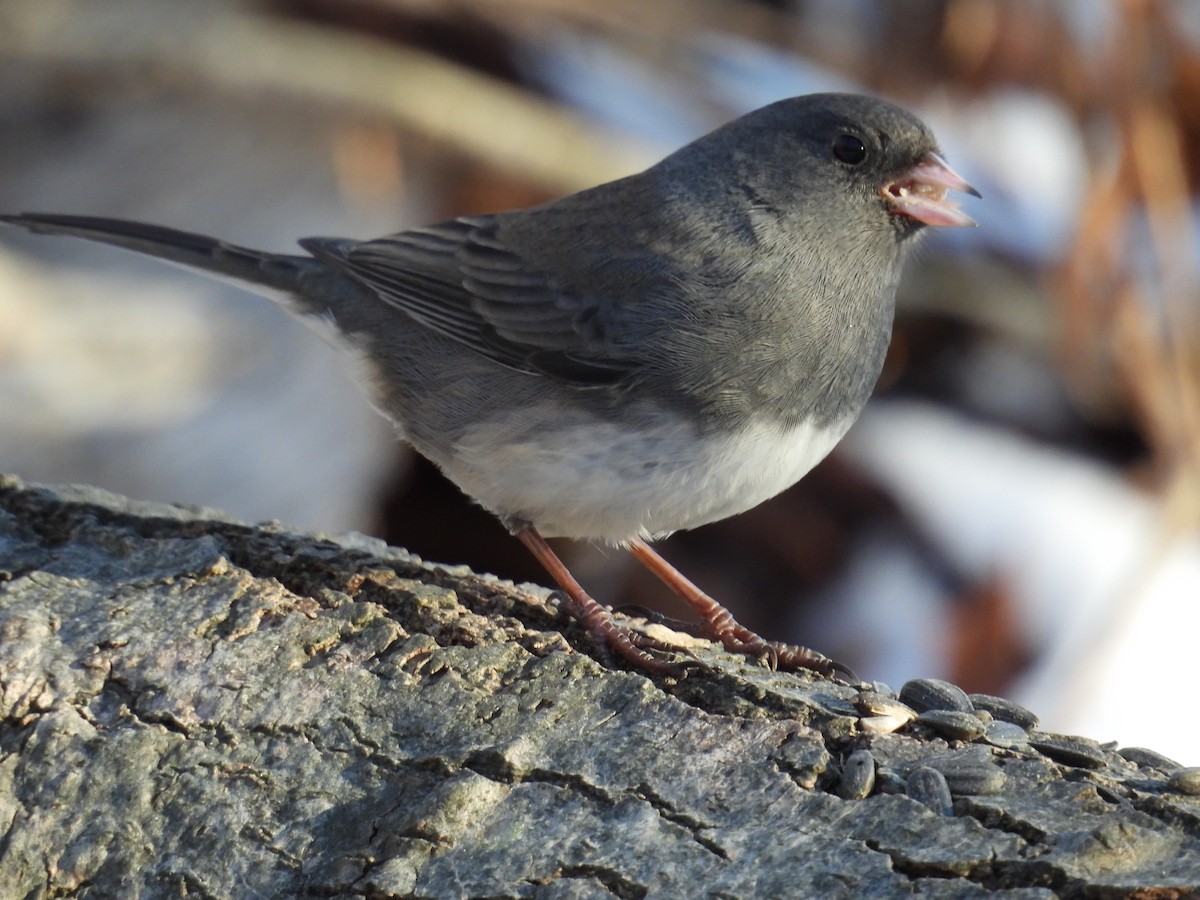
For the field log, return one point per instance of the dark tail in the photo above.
(253, 268)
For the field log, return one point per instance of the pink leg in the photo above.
(596, 618)
(720, 625)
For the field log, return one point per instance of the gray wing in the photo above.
(460, 280)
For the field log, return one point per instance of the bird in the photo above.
(645, 356)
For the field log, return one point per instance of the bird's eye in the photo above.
(849, 149)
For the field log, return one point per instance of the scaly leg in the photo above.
(720, 625)
(596, 618)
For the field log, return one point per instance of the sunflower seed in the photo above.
(1070, 750)
(932, 693)
(877, 725)
(951, 724)
(1004, 710)
(872, 703)
(858, 776)
(928, 786)
(1008, 735)
(971, 771)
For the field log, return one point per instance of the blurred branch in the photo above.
(237, 50)
(1155, 149)
(1130, 281)
(663, 20)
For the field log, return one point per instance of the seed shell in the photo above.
(858, 776)
(1004, 710)
(972, 771)
(928, 786)
(923, 694)
(952, 725)
(1070, 750)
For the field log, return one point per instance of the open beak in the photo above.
(919, 192)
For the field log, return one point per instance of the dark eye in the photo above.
(849, 149)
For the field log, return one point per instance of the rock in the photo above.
(195, 706)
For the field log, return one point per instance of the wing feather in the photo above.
(462, 281)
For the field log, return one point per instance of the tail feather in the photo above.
(275, 271)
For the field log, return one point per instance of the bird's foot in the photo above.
(634, 647)
(638, 649)
(612, 640)
(718, 624)
(781, 656)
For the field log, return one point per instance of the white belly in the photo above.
(586, 479)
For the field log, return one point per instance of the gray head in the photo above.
(796, 217)
(836, 157)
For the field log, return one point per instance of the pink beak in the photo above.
(919, 192)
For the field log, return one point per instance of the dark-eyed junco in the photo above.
(648, 355)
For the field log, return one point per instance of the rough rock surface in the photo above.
(194, 707)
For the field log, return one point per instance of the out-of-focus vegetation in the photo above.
(1070, 317)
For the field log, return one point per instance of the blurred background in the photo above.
(1017, 511)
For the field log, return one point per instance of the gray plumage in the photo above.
(636, 358)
